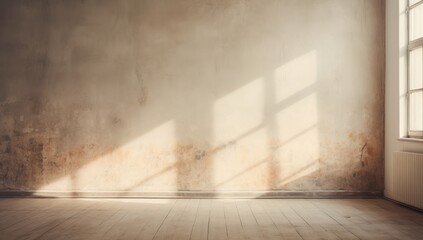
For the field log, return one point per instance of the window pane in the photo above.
(416, 65)
(411, 2)
(416, 22)
(416, 111)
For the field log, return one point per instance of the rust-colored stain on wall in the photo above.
(191, 95)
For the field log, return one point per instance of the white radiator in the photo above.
(408, 178)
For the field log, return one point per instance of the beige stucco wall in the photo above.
(192, 95)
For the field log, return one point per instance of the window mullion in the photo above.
(416, 43)
(413, 6)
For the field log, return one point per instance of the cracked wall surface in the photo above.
(191, 95)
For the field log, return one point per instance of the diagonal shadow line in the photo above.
(288, 178)
(295, 97)
(286, 102)
(279, 106)
(146, 128)
(152, 177)
(282, 104)
(262, 162)
(218, 149)
(243, 172)
(233, 177)
(267, 158)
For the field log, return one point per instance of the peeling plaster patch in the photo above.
(117, 121)
(199, 154)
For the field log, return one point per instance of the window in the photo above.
(415, 68)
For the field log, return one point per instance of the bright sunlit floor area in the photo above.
(219, 219)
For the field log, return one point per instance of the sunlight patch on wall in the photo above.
(146, 161)
(299, 157)
(59, 184)
(236, 163)
(238, 112)
(295, 76)
(299, 139)
(238, 124)
(297, 118)
(272, 141)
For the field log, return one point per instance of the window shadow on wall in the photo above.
(212, 96)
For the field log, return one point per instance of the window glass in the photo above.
(416, 22)
(416, 111)
(416, 63)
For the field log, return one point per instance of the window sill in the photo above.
(407, 139)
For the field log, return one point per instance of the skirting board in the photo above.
(194, 194)
(404, 204)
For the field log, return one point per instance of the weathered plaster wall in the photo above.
(192, 95)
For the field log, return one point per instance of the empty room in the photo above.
(211, 119)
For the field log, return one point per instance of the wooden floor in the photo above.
(207, 219)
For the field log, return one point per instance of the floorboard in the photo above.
(207, 219)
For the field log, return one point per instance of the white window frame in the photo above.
(411, 45)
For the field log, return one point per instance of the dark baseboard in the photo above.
(193, 194)
(404, 204)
